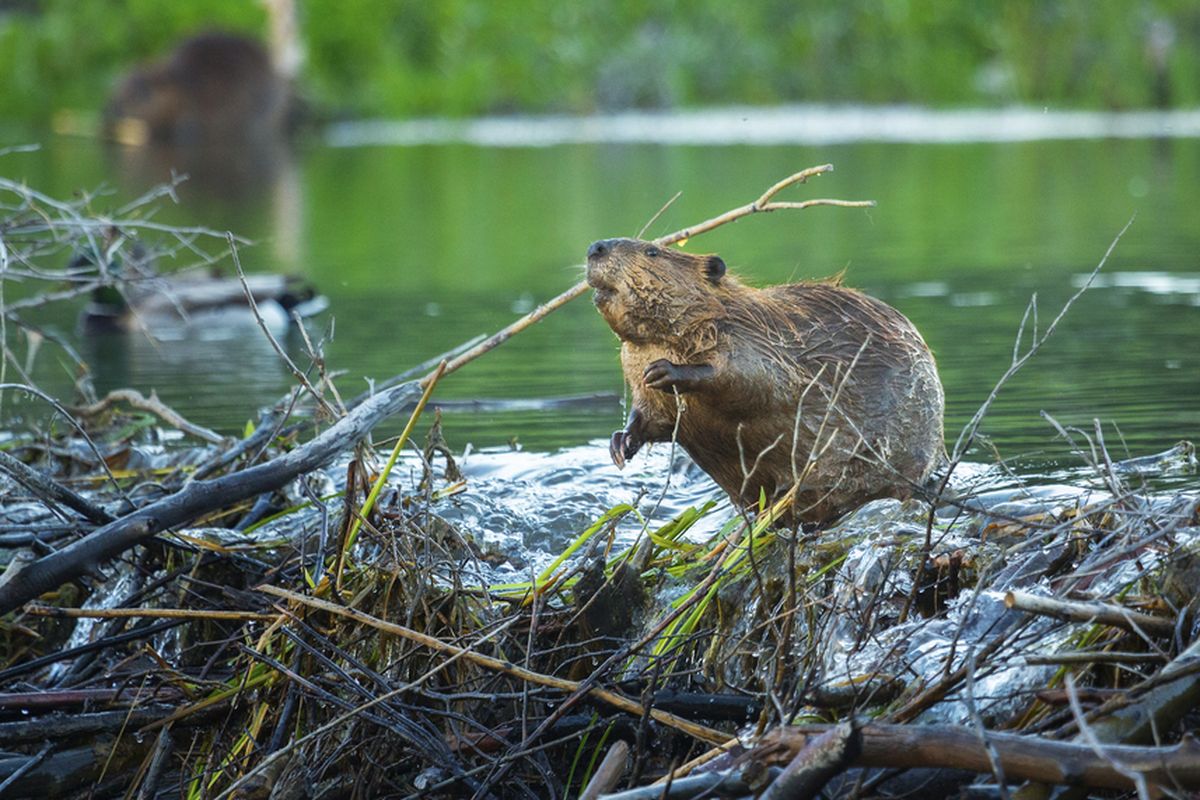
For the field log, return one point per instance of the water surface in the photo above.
(421, 246)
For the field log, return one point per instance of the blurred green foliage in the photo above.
(400, 57)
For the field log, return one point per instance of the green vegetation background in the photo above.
(383, 57)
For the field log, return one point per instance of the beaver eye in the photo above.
(652, 251)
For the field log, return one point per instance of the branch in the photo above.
(1022, 757)
(137, 400)
(1103, 613)
(48, 489)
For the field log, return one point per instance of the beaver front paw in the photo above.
(666, 376)
(622, 447)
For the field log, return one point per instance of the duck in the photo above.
(136, 297)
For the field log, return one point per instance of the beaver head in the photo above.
(650, 293)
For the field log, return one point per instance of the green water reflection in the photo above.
(420, 248)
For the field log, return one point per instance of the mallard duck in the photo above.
(138, 297)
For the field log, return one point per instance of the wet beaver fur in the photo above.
(808, 383)
(214, 88)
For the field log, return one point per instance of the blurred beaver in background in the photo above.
(213, 89)
(809, 384)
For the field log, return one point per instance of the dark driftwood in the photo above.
(198, 498)
(92, 698)
(1021, 757)
(51, 490)
(65, 773)
(54, 727)
(704, 706)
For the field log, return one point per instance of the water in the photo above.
(421, 246)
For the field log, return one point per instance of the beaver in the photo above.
(812, 384)
(214, 88)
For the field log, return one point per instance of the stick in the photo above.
(819, 761)
(1023, 757)
(614, 699)
(609, 773)
(48, 489)
(297, 373)
(149, 613)
(1103, 613)
(155, 406)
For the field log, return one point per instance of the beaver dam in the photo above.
(303, 611)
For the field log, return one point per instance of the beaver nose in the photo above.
(599, 249)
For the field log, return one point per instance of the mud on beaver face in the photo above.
(644, 291)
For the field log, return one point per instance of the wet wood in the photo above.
(822, 758)
(609, 773)
(1102, 613)
(1021, 757)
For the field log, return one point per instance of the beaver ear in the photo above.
(714, 269)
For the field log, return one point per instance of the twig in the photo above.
(765, 204)
(147, 613)
(33, 761)
(34, 664)
(57, 406)
(659, 213)
(967, 436)
(136, 399)
(297, 373)
(1089, 736)
(1096, 657)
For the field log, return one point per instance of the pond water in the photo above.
(421, 241)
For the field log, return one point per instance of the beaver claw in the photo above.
(661, 374)
(666, 376)
(622, 446)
